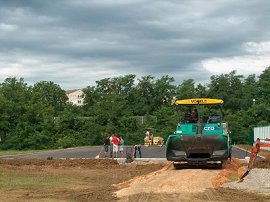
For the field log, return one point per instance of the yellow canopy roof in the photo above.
(201, 101)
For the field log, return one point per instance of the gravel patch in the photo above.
(257, 180)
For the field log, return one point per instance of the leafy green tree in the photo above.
(4, 117)
(91, 99)
(201, 91)
(239, 134)
(15, 95)
(264, 86)
(123, 84)
(227, 87)
(38, 116)
(51, 94)
(186, 90)
(145, 92)
(166, 120)
(250, 91)
(164, 91)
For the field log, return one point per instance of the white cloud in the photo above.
(104, 2)
(244, 65)
(72, 73)
(257, 48)
(254, 62)
(8, 27)
(236, 21)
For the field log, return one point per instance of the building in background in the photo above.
(75, 97)
(262, 133)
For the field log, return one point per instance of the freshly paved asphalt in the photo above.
(93, 151)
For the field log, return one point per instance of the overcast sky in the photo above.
(77, 42)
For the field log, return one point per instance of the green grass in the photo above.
(14, 152)
(9, 180)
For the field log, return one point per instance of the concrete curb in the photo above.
(141, 160)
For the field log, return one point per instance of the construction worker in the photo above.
(137, 148)
(106, 146)
(111, 146)
(115, 142)
(194, 116)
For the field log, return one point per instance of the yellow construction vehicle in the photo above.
(150, 139)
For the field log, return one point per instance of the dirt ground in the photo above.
(106, 180)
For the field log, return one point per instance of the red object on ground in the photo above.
(254, 151)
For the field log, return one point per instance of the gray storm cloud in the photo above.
(55, 40)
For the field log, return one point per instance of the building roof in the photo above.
(71, 91)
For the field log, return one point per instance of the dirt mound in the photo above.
(262, 163)
(61, 163)
(228, 173)
(169, 180)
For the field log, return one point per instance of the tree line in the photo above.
(39, 117)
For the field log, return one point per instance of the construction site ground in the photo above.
(106, 180)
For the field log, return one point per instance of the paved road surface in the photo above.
(93, 151)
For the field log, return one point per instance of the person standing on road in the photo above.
(121, 146)
(106, 146)
(111, 146)
(137, 148)
(115, 142)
